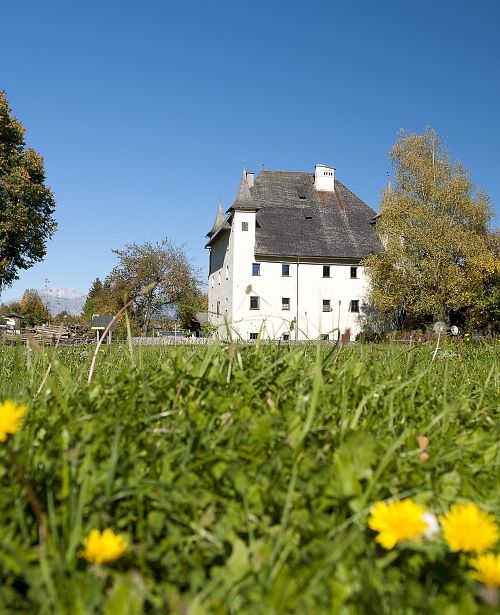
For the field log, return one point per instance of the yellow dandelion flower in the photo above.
(396, 521)
(11, 413)
(101, 548)
(468, 528)
(487, 569)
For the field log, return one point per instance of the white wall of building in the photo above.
(306, 305)
(220, 283)
(231, 285)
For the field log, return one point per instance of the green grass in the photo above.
(242, 477)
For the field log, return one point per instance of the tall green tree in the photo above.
(93, 303)
(26, 204)
(434, 227)
(33, 309)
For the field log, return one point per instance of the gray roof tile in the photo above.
(323, 224)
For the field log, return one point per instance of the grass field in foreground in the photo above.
(242, 477)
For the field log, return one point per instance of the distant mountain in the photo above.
(63, 300)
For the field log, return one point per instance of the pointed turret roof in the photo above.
(219, 220)
(220, 224)
(243, 200)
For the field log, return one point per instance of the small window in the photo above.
(254, 336)
(285, 337)
(327, 306)
(218, 277)
(285, 303)
(354, 306)
(285, 270)
(256, 269)
(218, 308)
(255, 303)
(227, 272)
(354, 273)
(244, 226)
(326, 271)
(212, 281)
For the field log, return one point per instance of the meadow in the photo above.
(242, 478)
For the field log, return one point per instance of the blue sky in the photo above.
(144, 111)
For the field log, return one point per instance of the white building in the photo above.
(285, 259)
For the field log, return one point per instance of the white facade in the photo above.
(304, 316)
(283, 298)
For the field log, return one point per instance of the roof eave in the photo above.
(212, 239)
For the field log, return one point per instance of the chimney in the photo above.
(324, 178)
(250, 179)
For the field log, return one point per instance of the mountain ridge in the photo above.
(63, 300)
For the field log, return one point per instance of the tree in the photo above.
(160, 279)
(434, 229)
(26, 204)
(485, 309)
(93, 302)
(33, 309)
(65, 318)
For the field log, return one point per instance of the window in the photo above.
(212, 281)
(354, 305)
(327, 307)
(354, 273)
(285, 303)
(254, 336)
(285, 337)
(285, 270)
(218, 308)
(256, 269)
(326, 271)
(227, 272)
(244, 226)
(218, 278)
(255, 303)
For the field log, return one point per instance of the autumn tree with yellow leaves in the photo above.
(434, 224)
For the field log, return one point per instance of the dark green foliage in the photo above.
(26, 204)
(243, 476)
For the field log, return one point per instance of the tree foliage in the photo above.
(26, 204)
(160, 279)
(434, 227)
(33, 309)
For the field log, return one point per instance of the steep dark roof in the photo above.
(296, 220)
(218, 222)
(244, 200)
(221, 223)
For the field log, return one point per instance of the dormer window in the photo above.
(244, 226)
